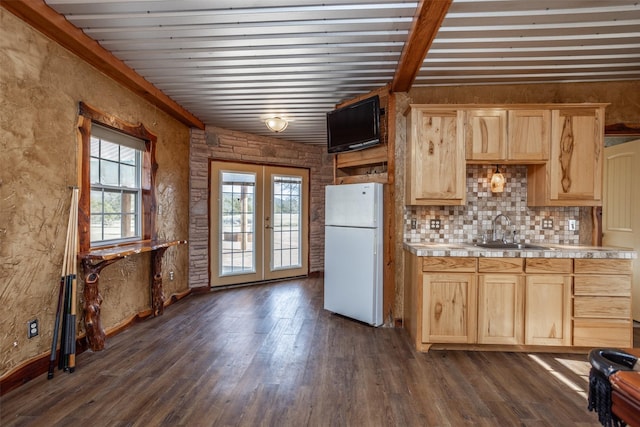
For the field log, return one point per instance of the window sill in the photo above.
(125, 249)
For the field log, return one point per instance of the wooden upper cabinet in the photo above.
(573, 175)
(507, 135)
(578, 148)
(486, 134)
(435, 157)
(529, 135)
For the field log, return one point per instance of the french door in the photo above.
(259, 222)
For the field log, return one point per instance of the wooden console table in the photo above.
(93, 262)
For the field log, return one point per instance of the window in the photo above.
(287, 221)
(237, 216)
(115, 174)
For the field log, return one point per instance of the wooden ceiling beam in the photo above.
(426, 23)
(55, 26)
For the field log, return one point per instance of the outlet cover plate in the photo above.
(434, 224)
(32, 328)
(547, 224)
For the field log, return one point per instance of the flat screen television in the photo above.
(354, 127)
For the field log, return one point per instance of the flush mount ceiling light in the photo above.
(276, 124)
(497, 181)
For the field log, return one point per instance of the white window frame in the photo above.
(103, 134)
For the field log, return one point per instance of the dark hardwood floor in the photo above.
(270, 355)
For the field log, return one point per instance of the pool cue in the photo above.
(73, 258)
(56, 326)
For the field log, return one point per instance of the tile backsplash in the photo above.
(464, 224)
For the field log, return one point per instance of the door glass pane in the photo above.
(237, 216)
(286, 250)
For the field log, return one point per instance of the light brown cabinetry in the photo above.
(486, 134)
(548, 302)
(500, 301)
(449, 304)
(529, 135)
(573, 175)
(602, 303)
(449, 300)
(548, 310)
(502, 135)
(435, 157)
(562, 144)
(517, 303)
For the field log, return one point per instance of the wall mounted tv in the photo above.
(354, 127)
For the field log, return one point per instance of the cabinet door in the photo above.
(486, 134)
(449, 308)
(529, 133)
(435, 158)
(500, 309)
(548, 310)
(577, 149)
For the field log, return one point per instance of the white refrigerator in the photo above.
(353, 258)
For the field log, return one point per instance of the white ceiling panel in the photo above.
(233, 63)
(518, 41)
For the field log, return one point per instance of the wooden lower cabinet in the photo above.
(500, 309)
(602, 303)
(519, 304)
(548, 310)
(449, 308)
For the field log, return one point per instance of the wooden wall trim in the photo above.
(622, 129)
(49, 22)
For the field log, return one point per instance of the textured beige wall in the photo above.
(622, 96)
(40, 87)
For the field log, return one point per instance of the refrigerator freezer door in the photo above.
(353, 274)
(354, 205)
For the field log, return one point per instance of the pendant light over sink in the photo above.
(497, 181)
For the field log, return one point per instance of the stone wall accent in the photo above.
(222, 144)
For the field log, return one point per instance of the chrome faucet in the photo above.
(494, 226)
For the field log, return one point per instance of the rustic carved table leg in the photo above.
(157, 293)
(92, 302)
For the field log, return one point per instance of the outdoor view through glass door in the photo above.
(259, 219)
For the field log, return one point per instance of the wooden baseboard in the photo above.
(36, 366)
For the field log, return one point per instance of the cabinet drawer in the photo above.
(602, 285)
(500, 265)
(602, 333)
(602, 266)
(449, 264)
(602, 307)
(547, 265)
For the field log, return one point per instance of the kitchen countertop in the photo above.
(553, 251)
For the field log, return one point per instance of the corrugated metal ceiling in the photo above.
(233, 63)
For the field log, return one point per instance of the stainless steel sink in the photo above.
(515, 246)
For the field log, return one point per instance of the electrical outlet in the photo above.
(572, 225)
(414, 223)
(32, 328)
(434, 224)
(547, 224)
(171, 276)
